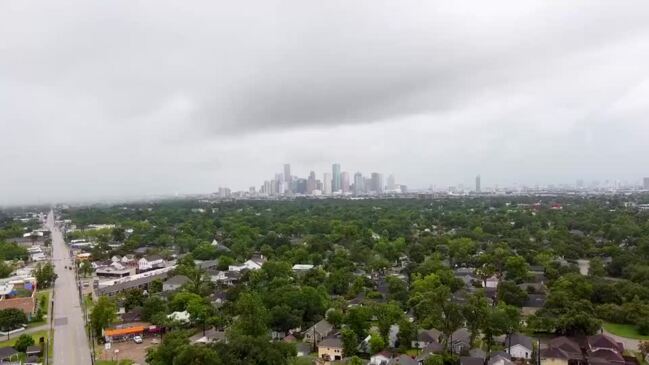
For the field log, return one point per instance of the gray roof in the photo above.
(518, 339)
(402, 360)
(130, 284)
(323, 328)
(33, 350)
(177, 280)
(331, 342)
(477, 352)
(7, 352)
(469, 360)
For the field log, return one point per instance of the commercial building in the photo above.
(377, 183)
(336, 178)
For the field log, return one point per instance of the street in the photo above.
(70, 340)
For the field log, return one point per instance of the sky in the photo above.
(110, 99)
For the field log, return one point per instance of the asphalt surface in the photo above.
(70, 340)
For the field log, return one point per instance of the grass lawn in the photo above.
(111, 362)
(624, 330)
(36, 336)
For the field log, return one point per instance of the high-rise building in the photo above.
(359, 184)
(326, 184)
(391, 182)
(311, 183)
(287, 172)
(335, 183)
(646, 183)
(344, 182)
(301, 186)
(377, 183)
(477, 184)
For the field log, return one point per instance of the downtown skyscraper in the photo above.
(336, 182)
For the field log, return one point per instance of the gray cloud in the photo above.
(130, 98)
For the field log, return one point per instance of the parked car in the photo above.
(137, 339)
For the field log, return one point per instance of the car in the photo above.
(137, 339)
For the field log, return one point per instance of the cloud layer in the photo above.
(128, 98)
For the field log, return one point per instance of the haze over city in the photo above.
(130, 99)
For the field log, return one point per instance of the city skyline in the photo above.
(138, 101)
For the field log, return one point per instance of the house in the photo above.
(425, 338)
(115, 270)
(150, 263)
(8, 354)
(491, 282)
(174, 283)
(380, 358)
(318, 331)
(562, 351)
(219, 246)
(402, 360)
(33, 351)
(500, 358)
(460, 340)
(428, 351)
(227, 278)
(533, 303)
(519, 346)
(330, 349)
(302, 268)
(254, 263)
(602, 349)
(468, 360)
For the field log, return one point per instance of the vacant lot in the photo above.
(128, 350)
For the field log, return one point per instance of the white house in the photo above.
(381, 358)
(150, 263)
(521, 346)
(254, 263)
(302, 267)
(492, 282)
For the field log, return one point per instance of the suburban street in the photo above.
(70, 340)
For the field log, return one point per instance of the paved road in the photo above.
(70, 341)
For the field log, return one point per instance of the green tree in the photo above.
(509, 293)
(103, 314)
(350, 342)
(335, 317)
(45, 275)
(23, 342)
(197, 355)
(386, 315)
(475, 312)
(377, 343)
(172, 345)
(12, 318)
(5, 270)
(253, 316)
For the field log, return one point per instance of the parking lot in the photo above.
(127, 350)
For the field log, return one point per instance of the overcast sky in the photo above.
(130, 98)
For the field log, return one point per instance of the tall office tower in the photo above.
(344, 182)
(326, 184)
(318, 185)
(311, 183)
(477, 184)
(646, 183)
(359, 184)
(301, 186)
(377, 182)
(252, 190)
(391, 183)
(287, 173)
(273, 187)
(335, 183)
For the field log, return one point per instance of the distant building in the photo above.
(326, 184)
(311, 183)
(477, 184)
(359, 184)
(287, 174)
(344, 182)
(646, 183)
(377, 183)
(336, 178)
(391, 182)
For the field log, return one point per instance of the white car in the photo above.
(137, 339)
